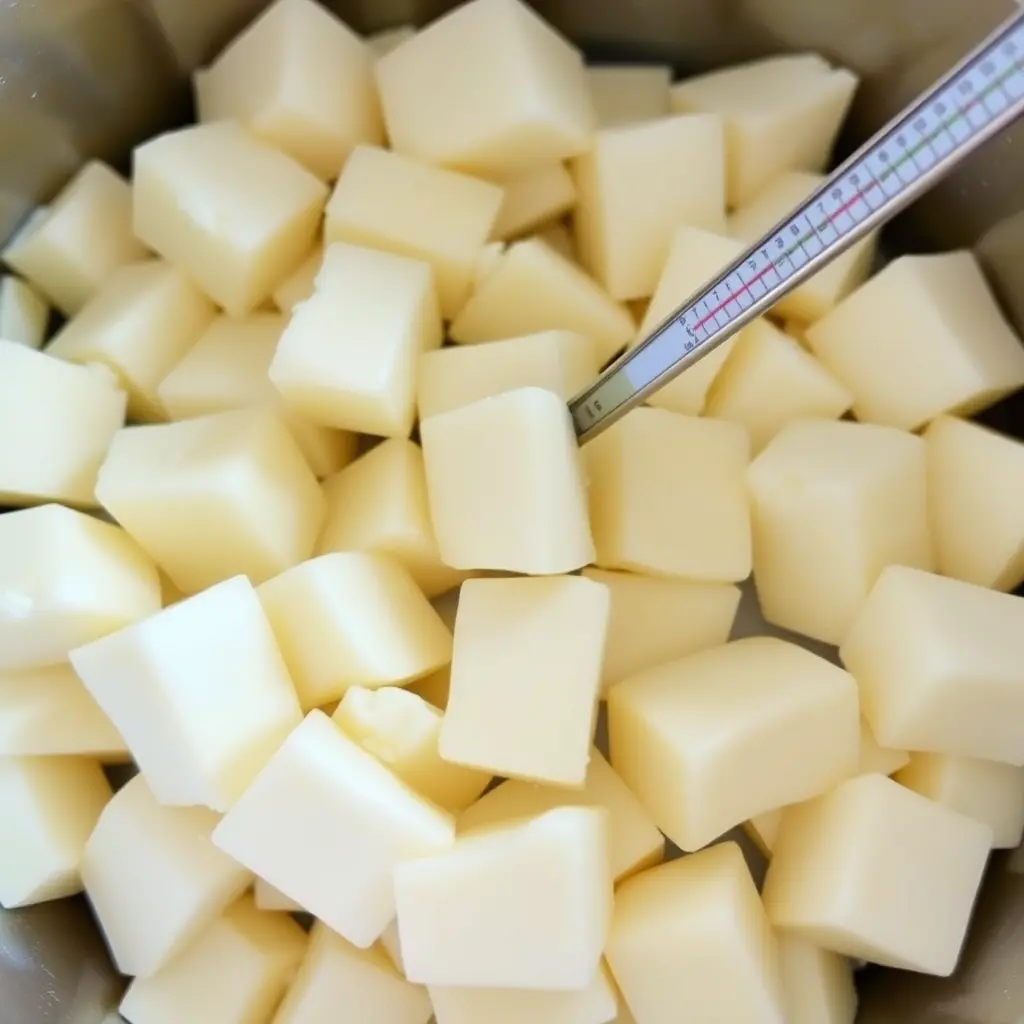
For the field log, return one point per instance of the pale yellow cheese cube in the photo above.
(519, 88)
(24, 314)
(876, 759)
(338, 978)
(389, 39)
(67, 578)
(922, 337)
(434, 688)
(627, 93)
(326, 823)
(832, 504)
(817, 986)
(668, 497)
(975, 494)
(940, 665)
(347, 358)
(487, 260)
(234, 213)
(271, 899)
(235, 972)
(533, 199)
(82, 237)
(299, 285)
(636, 186)
(689, 941)
(299, 79)
(535, 288)
(140, 323)
(769, 381)
(763, 829)
(51, 805)
(875, 871)
(214, 496)
(154, 879)
(706, 742)
(389, 201)
(56, 422)
(390, 941)
(526, 672)
(505, 485)
(634, 842)
(781, 113)
(526, 904)
(561, 361)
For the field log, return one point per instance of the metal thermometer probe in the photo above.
(977, 98)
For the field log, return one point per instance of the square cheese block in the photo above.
(561, 361)
(922, 337)
(876, 871)
(299, 78)
(199, 691)
(434, 689)
(388, 39)
(322, 802)
(56, 423)
(235, 972)
(140, 323)
(519, 88)
(526, 672)
(817, 986)
(975, 493)
(67, 578)
(634, 842)
(832, 504)
(215, 496)
(389, 201)
(237, 235)
(627, 93)
(769, 380)
(52, 805)
(707, 741)
(268, 898)
(533, 287)
(525, 904)
(690, 941)
(24, 313)
(347, 358)
(505, 485)
(668, 497)
(940, 666)
(781, 113)
(299, 284)
(636, 186)
(79, 240)
(534, 199)
(352, 618)
(154, 879)
(337, 977)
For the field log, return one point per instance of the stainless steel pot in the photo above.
(82, 78)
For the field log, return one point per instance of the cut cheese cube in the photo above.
(391, 943)
(154, 879)
(560, 361)
(627, 93)
(53, 804)
(535, 288)
(707, 741)
(873, 870)
(238, 235)
(271, 899)
(505, 485)
(519, 87)
(352, 618)
(215, 496)
(85, 234)
(940, 666)
(781, 114)
(526, 672)
(668, 497)
(389, 39)
(634, 841)
(921, 338)
(336, 977)
(487, 260)
(364, 821)
(56, 423)
(763, 829)
(636, 186)
(24, 314)
(817, 986)
(689, 941)
(299, 285)
(66, 579)
(235, 972)
(140, 323)
(434, 688)
(388, 201)
(832, 504)
(533, 199)
(521, 905)
(347, 358)
(299, 79)
(879, 760)
(976, 492)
